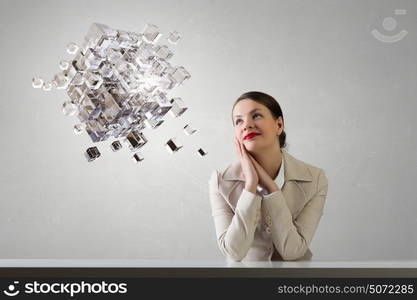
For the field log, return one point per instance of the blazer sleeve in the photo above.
(234, 230)
(291, 237)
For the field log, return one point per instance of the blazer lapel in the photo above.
(232, 184)
(296, 172)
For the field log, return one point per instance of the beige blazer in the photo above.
(251, 227)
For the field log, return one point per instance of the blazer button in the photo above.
(268, 230)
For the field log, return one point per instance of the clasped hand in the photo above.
(253, 173)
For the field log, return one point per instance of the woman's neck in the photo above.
(270, 160)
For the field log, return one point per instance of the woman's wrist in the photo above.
(273, 188)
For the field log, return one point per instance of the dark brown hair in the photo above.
(271, 104)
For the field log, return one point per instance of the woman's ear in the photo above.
(280, 125)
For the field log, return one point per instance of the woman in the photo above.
(267, 205)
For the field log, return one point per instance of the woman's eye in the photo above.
(237, 121)
(256, 115)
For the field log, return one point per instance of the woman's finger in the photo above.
(240, 147)
(247, 156)
(244, 151)
(255, 163)
(258, 167)
(239, 151)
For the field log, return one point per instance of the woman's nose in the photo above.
(248, 124)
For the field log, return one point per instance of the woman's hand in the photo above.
(248, 169)
(264, 179)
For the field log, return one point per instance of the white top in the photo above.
(279, 180)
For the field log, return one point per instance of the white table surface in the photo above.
(141, 263)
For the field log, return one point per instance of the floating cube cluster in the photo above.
(118, 84)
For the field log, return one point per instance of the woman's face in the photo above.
(252, 117)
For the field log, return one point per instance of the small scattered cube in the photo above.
(174, 37)
(116, 146)
(151, 33)
(179, 75)
(64, 64)
(152, 124)
(189, 130)
(164, 52)
(37, 82)
(78, 128)
(135, 140)
(47, 86)
(173, 146)
(201, 152)
(178, 107)
(69, 108)
(137, 157)
(72, 48)
(92, 153)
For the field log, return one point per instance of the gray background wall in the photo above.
(349, 106)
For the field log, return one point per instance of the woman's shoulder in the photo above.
(302, 169)
(228, 172)
(299, 161)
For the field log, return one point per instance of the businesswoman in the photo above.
(268, 204)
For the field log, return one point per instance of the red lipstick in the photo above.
(251, 135)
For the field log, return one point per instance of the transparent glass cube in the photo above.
(92, 59)
(178, 107)
(172, 145)
(78, 79)
(47, 86)
(164, 52)
(79, 128)
(106, 71)
(151, 33)
(79, 62)
(179, 75)
(113, 56)
(69, 108)
(37, 82)
(92, 153)
(189, 130)
(64, 64)
(116, 146)
(93, 81)
(72, 48)
(70, 72)
(153, 124)
(61, 81)
(135, 140)
(96, 33)
(111, 109)
(137, 157)
(174, 37)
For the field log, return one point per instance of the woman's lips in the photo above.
(251, 136)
